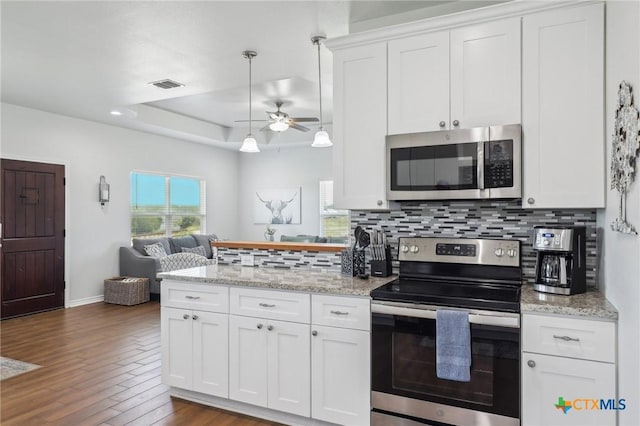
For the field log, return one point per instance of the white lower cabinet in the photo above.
(269, 364)
(340, 375)
(568, 361)
(260, 355)
(194, 350)
(546, 379)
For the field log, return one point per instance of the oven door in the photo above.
(404, 381)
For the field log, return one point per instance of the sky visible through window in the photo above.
(149, 190)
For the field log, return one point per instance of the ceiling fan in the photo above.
(279, 121)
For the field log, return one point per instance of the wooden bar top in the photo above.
(278, 245)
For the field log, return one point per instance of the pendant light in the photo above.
(321, 140)
(249, 144)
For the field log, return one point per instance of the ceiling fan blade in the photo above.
(246, 121)
(303, 119)
(298, 127)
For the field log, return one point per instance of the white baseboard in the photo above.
(86, 301)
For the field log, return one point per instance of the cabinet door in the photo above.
(340, 375)
(289, 373)
(545, 379)
(210, 353)
(563, 108)
(248, 360)
(485, 74)
(360, 127)
(419, 83)
(177, 338)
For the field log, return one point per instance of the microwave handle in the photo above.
(480, 171)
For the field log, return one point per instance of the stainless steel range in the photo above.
(479, 276)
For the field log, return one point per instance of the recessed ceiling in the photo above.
(85, 59)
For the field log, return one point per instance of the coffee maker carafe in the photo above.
(560, 262)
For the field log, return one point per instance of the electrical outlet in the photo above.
(246, 260)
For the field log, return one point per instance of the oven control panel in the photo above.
(460, 250)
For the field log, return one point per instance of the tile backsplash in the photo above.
(480, 219)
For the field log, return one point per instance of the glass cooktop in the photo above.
(458, 294)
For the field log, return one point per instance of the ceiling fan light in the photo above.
(321, 140)
(278, 126)
(249, 144)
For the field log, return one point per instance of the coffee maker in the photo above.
(560, 262)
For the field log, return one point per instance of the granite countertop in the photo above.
(282, 279)
(589, 304)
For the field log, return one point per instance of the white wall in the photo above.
(295, 167)
(90, 149)
(621, 257)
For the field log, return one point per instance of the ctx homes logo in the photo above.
(588, 404)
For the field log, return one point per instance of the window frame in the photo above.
(322, 213)
(167, 214)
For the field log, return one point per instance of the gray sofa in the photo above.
(134, 261)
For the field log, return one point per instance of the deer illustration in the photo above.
(276, 207)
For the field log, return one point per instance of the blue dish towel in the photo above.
(453, 345)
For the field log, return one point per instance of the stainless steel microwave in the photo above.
(478, 163)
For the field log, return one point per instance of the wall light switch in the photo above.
(246, 260)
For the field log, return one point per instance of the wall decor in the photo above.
(625, 146)
(277, 206)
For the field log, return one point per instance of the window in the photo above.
(166, 206)
(333, 222)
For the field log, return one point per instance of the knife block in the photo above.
(382, 268)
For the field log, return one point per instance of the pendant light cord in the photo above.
(320, 83)
(249, 56)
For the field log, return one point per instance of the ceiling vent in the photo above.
(166, 84)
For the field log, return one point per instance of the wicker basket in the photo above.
(126, 290)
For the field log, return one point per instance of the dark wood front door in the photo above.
(32, 253)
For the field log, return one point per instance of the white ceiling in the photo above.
(84, 59)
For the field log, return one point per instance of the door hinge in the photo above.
(64, 233)
(64, 284)
(64, 181)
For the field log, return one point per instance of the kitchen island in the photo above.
(288, 345)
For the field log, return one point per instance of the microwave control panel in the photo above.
(498, 165)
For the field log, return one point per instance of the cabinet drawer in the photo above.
(277, 305)
(203, 297)
(345, 312)
(571, 337)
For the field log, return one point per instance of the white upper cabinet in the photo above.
(563, 108)
(468, 77)
(360, 127)
(419, 83)
(485, 74)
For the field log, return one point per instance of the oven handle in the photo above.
(499, 320)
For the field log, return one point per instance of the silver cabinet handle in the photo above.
(314, 333)
(269, 327)
(339, 313)
(456, 123)
(185, 316)
(192, 297)
(531, 363)
(442, 124)
(259, 326)
(195, 317)
(566, 338)
(379, 202)
(267, 305)
(531, 200)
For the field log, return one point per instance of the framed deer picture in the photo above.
(277, 206)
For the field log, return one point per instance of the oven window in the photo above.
(444, 167)
(404, 364)
(414, 370)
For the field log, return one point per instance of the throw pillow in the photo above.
(155, 250)
(197, 250)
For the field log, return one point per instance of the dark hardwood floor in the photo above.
(100, 366)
